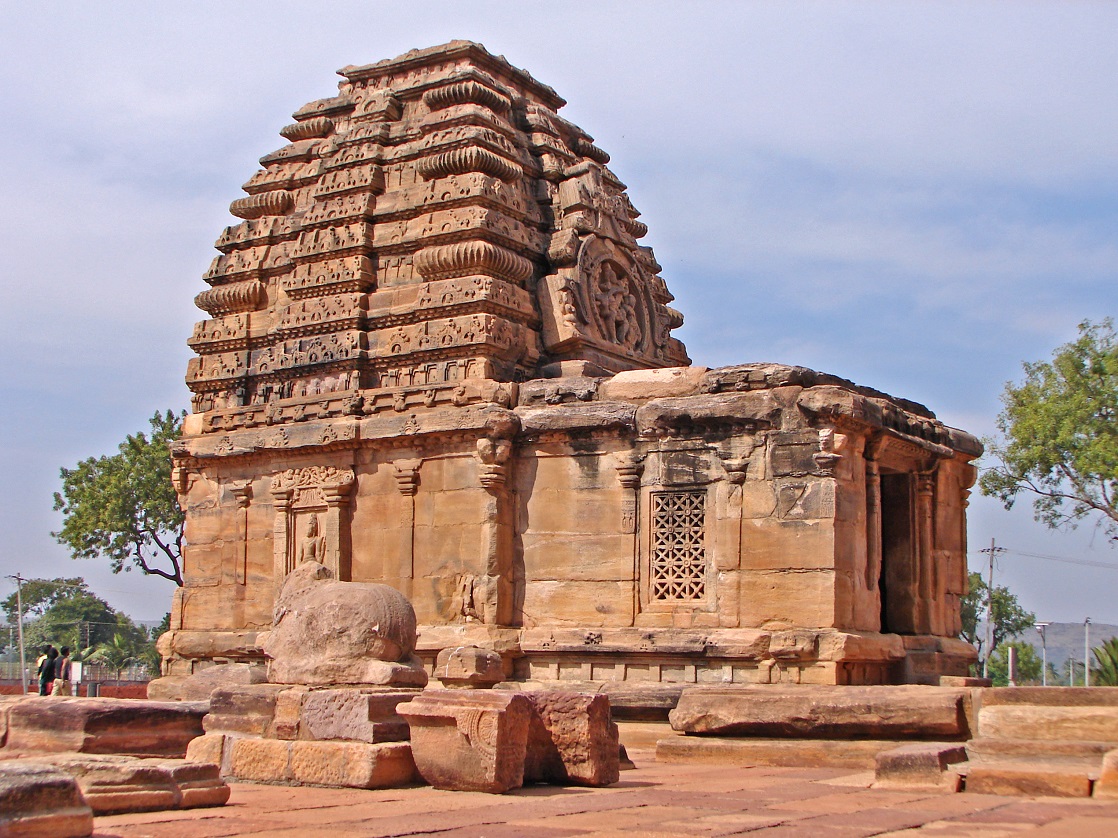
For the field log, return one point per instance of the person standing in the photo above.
(47, 666)
(62, 685)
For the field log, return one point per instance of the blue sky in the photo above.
(916, 196)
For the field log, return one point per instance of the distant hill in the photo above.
(1065, 640)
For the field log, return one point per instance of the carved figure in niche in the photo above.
(628, 334)
(608, 299)
(466, 588)
(313, 546)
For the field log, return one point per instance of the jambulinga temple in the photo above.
(436, 356)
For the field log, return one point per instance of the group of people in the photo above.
(54, 670)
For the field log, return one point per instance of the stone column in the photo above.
(925, 558)
(406, 473)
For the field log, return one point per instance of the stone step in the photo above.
(992, 748)
(1035, 778)
(1050, 696)
(1085, 722)
(814, 753)
(825, 712)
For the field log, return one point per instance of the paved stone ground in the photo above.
(656, 800)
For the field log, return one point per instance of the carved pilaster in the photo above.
(873, 525)
(925, 558)
(406, 473)
(630, 466)
(498, 585)
(242, 492)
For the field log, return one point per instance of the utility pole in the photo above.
(1040, 626)
(19, 608)
(993, 550)
(1087, 652)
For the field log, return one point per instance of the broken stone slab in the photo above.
(820, 711)
(40, 801)
(330, 633)
(920, 765)
(469, 740)
(197, 687)
(1032, 780)
(812, 753)
(354, 714)
(963, 681)
(1106, 787)
(571, 740)
(116, 784)
(468, 667)
(336, 764)
(104, 726)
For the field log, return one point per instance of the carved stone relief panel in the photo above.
(310, 523)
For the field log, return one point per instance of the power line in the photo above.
(1065, 560)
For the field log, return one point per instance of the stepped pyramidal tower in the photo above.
(437, 356)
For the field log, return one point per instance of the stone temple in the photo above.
(437, 357)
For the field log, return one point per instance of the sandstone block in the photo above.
(289, 707)
(641, 385)
(1029, 780)
(208, 748)
(469, 740)
(571, 740)
(248, 709)
(963, 681)
(919, 765)
(199, 783)
(104, 726)
(814, 753)
(354, 714)
(197, 687)
(328, 632)
(816, 711)
(352, 764)
(38, 801)
(112, 784)
(469, 667)
(1107, 784)
(261, 760)
(1026, 721)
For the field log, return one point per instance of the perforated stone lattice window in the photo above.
(679, 564)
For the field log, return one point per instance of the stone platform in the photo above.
(657, 799)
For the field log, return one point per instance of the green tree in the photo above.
(118, 653)
(1029, 664)
(1060, 434)
(124, 507)
(1106, 664)
(150, 657)
(63, 612)
(1009, 618)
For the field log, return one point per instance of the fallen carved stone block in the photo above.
(811, 711)
(571, 740)
(468, 667)
(39, 801)
(466, 740)
(103, 726)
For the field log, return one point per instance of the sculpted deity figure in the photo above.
(313, 547)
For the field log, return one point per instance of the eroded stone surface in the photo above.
(357, 715)
(571, 740)
(197, 687)
(469, 740)
(103, 726)
(329, 632)
(40, 801)
(823, 712)
(468, 667)
(344, 764)
(923, 764)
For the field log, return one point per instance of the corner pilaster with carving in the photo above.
(498, 586)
